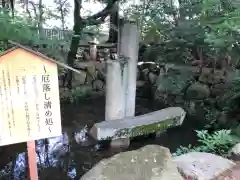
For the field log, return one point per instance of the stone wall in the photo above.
(204, 94)
(90, 81)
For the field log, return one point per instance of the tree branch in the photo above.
(100, 16)
(34, 8)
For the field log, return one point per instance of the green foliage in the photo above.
(236, 132)
(222, 20)
(17, 29)
(61, 12)
(77, 93)
(219, 142)
(189, 30)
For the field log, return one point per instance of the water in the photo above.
(72, 154)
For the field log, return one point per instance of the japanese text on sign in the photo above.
(26, 106)
(6, 100)
(37, 104)
(46, 87)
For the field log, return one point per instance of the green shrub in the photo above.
(219, 142)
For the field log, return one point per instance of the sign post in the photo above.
(32, 160)
(29, 100)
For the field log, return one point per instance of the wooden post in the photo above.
(32, 160)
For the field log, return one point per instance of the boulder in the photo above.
(64, 93)
(97, 85)
(101, 67)
(202, 166)
(138, 74)
(197, 91)
(230, 174)
(208, 77)
(79, 79)
(229, 100)
(151, 162)
(91, 73)
(234, 153)
(220, 89)
(152, 77)
(145, 74)
(82, 90)
(171, 84)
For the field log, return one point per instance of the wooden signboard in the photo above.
(30, 107)
(29, 100)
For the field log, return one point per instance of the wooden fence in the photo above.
(58, 34)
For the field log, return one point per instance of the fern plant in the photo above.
(219, 142)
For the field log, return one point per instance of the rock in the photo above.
(138, 74)
(79, 79)
(91, 73)
(152, 77)
(234, 153)
(190, 107)
(230, 174)
(61, 78)
(101, 67)
(207, 77)
(229, 99)
(151, 162)
(197, 91)
(129, 127)
(97, 85)
(82, 90)
(145, 74)
(172, 83)
(140, 84)
(64, 93)
(220, 89)
(202, 166)
(147, 65)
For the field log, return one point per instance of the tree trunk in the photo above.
(62, 15)
(114, 25)
(181, 10)
(77, 28)
(79, 24)
(3, 3)
(40, 18)
(62, 19)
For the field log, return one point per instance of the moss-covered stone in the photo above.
(147, 129)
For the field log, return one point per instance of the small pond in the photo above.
(72, 154)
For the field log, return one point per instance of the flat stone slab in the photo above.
(202, 166)
(138, 125)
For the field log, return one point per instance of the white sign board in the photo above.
(29, 97)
